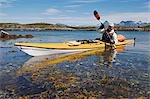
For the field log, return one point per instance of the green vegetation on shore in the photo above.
(47, 26)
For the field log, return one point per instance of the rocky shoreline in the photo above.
(72, 29)
(7, 36)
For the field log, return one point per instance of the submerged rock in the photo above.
(7, 36)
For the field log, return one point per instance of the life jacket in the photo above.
(108, 38)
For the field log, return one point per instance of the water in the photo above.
(108, 74)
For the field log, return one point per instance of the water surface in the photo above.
(111, 73)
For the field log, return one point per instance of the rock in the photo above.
(3, 34)
(6, 36)
(12, 36)
(28, 36)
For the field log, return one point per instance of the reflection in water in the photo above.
(37, 63)
(74, 76)
(108, 56)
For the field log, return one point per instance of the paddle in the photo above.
(97, 16)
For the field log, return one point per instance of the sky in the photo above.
(73, 12)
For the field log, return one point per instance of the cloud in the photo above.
(123, 1)
(71, 11)
(73, 6)
(79, 3)
(73, 20)
(2, 14)
(81, 19)
(52, 11)
(69, 20)
(20, 18)
(6, 3)
(148, 5)
(89, 19)
(23, 19)
(85, 1)
(134, 16)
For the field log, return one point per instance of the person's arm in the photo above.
(115, 38)
(101, 29)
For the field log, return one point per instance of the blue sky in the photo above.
(73, 12)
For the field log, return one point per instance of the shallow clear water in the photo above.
(97, 75)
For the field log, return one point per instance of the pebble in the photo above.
(67, 66)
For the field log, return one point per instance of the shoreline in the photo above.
(133, 29)
(62, 27)
(74, 29)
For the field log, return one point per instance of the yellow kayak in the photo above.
(38, 49)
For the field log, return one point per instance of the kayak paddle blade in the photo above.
(96, 14)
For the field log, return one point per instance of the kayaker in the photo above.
(109, 34)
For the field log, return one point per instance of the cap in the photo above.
(111, 24)
(106, 24)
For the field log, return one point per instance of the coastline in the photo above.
(62, 27)
(66, 29)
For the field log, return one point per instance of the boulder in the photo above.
(6, 36)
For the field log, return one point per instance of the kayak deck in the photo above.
(97, 44)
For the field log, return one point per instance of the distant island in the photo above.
(132, 26)
(122, 26)
(43, 26)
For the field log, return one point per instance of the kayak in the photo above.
(39, 49)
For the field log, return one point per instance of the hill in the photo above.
(60, 27)
(42, 26)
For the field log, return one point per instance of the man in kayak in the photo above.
(107, 29)
(109, 34)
